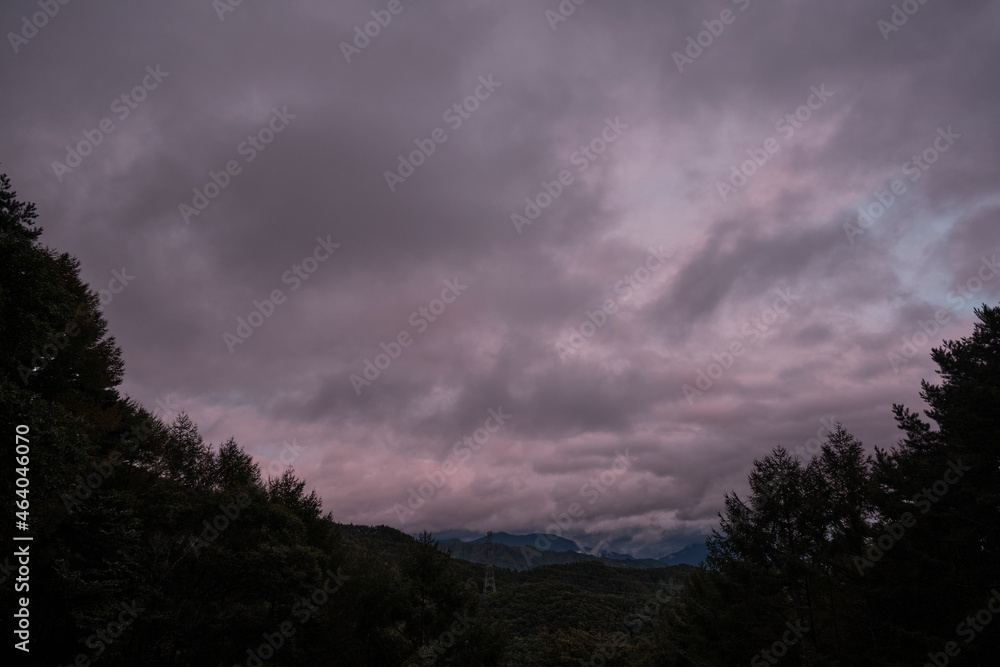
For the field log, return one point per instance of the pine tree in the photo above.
(948, 480)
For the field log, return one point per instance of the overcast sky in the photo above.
(688, 173)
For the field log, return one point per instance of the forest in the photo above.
(151, 546)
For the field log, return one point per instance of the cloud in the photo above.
(324, 176)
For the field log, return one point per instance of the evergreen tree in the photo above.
(947, 481)
(127, 510)
(235, 469)
(880, 558)
(58, 373)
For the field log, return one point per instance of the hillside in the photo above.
(175, 550)
(523, 558)
(579, 613)
(554, 542)
(553, 613)
(692, 554)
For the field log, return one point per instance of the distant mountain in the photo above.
(554, 542)
(692, 554)
(560, 550)
(519, 559)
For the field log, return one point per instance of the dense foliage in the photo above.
(850, 559)
(154, 547)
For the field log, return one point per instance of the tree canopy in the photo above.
(882, 560)
(154, 547)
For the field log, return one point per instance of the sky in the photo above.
(518, 266)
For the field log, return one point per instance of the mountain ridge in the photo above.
(557, 551)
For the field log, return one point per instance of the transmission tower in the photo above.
(490, 585)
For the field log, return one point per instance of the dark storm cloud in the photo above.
(652, 183)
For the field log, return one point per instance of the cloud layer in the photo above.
(580, 218)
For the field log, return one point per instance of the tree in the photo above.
(127, 510)
(58, 374)
(235, 469)
(290, 491)
(880, 558)
(948, 479)
(185, 456)
(53, 337)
